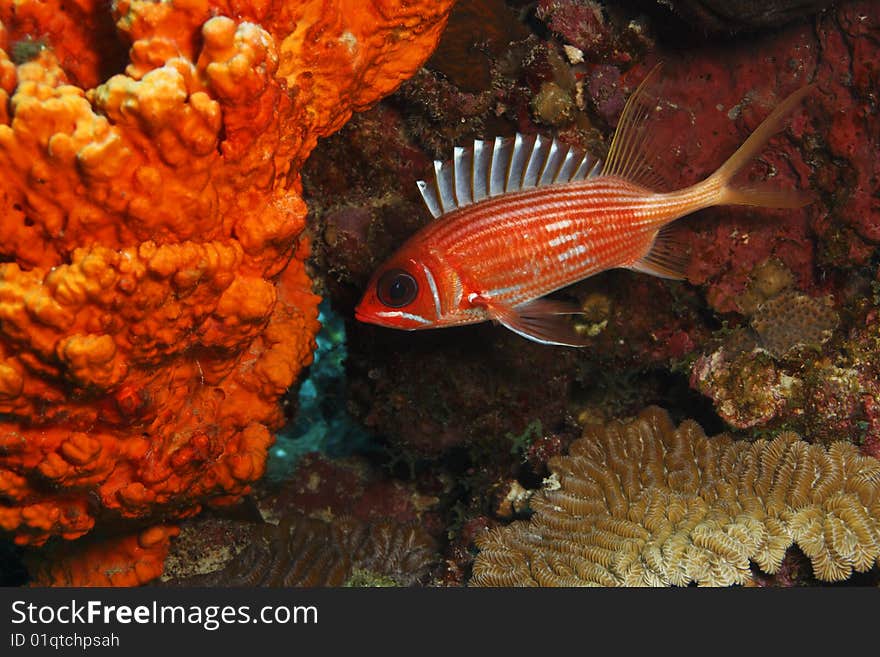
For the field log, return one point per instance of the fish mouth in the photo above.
(361, 316)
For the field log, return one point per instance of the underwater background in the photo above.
(189, 221)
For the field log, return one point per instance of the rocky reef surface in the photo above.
(770, 346)
(774, 328)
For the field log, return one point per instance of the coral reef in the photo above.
(154, 299)
(796, 369)
(461, 394)
(754, 277)
(332, 521)
(321, 422)
(645, 503)
(205, 544)
(777, 328)
(302, 551)
(793, 320)
(727, 16)
(353, 487)
(479, 32)
(96, 560)
(795, 570)
(450, 401)
(585, 26)
(748, 388)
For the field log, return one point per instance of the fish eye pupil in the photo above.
(397, 291)
(396, 288)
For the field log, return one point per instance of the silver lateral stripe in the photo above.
(489, 169)
(562, 239)
(558, 225)
(502, 290)
(434, 291)
(575, 251)
(400, 313)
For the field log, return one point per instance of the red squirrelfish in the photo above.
(523, 217)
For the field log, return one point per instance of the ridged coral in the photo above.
(645, 503)
(154, 304)
(303, 551)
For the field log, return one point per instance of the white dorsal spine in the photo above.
(506, 165)
(462, 159)
(540, 148)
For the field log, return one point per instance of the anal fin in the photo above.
(541, 320)
(668, 256)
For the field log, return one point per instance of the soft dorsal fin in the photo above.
(506, 165)
(635, 152)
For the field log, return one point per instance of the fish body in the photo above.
(522, 218)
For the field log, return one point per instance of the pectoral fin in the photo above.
(541, 320)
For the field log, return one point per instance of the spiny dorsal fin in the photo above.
(506, 165)
(635, 152)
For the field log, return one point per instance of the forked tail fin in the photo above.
(730, 194)
(666, 257)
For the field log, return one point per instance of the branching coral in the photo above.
(154, 304)
(646, 503)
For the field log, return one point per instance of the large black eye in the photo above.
(396, 288)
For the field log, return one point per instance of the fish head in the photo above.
(403, 294)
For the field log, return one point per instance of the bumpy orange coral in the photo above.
(154, 304)
(120, 561)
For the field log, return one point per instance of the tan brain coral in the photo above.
(303, 551)
(154, 304)
(645, 503)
